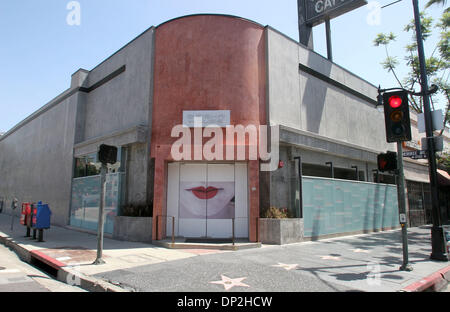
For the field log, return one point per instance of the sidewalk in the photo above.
(71, 253)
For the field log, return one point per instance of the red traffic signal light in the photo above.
(395, 101)
(387, 161)
(396, 112)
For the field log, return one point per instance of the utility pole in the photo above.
(437, 233)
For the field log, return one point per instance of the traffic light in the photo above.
(396, 115)
(107, 154)
(387, 161)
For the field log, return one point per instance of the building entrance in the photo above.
(205, 198)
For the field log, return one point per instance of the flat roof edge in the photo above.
(323, 57)
(49, 105)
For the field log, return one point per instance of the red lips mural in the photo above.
(204, 193)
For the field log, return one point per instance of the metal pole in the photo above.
(232, 230)
(257, 229)
(41, 235)
(328, 34)
(156, 227)
(378, 175)
(173, 230)
(99, 259)
(402, 207)
(437, 233)
(13, 209)
(304, 30)
(300, 186)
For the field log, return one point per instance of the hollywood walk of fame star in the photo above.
(229, 283)
(287, 267)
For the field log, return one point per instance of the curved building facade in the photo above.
(208, 66)
(189, 104)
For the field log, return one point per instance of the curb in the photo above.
(65, 274)
(434, 282)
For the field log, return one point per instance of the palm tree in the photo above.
(431, 2)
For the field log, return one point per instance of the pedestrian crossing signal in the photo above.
(107, 154)
(387, 162)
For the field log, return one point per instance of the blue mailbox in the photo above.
(42, 216)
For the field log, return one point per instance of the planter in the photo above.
(133, 229)
(281, 231)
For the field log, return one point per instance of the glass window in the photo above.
(88, 165)
(314, 170)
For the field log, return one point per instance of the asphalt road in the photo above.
(18, 276)
(253, 270)
(358, 263)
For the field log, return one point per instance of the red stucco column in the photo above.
(159, 197)
(253, 180)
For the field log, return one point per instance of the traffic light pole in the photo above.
(402, 207)
(101, 217)
(437, 233)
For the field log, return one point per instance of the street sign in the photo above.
(416, 154)
(419, 157)
(438, 143)
(437, 118)
(318, 10)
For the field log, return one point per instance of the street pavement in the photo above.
(359, 263)
(366, 262)
(17, 276)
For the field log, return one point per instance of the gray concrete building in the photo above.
(326, 115)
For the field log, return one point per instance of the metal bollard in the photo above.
(41, 235)
(157, 227)
(257, 229)
(173, 230)
(13, 209)
(232, 222)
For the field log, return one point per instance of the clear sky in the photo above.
(40, 51)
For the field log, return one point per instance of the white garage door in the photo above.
(204, 198)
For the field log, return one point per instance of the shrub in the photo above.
(137, 210)
(276, 213)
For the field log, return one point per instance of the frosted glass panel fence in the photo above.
(340, 206)
(86, 201)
